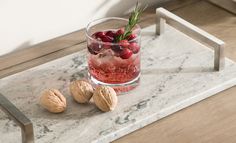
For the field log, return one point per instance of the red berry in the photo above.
(134, 47)
(94, 48)
(111, 34)
(120, 31)
(107, 39)
(124, 43)
(117, 48)
(99, 34)
(126, 53)
(131, 37)
(91, 51)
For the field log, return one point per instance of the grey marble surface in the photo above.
(176, 72)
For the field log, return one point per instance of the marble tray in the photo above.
(177, 72)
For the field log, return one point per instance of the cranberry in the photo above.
(111, 34)
(91, 51)
(134, 47)
(126, 53)
(99, 34)
(124, 43)
(94, 48)
(120, 31)
(107, 39)
(131, 37)
(117, 48)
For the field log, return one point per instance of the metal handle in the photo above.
(164, 16)
(25, 124)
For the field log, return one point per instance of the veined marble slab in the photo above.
(176, 73)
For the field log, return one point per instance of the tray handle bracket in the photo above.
(25, 124)
(164, 16)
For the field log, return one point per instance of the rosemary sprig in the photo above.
(133, 20)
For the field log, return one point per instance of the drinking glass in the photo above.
(109, 62)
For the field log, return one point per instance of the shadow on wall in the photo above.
(24, 45)
(123, 6)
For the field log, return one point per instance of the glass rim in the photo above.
(104, 19)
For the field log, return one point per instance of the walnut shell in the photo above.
(105, 98)
(53, 101)
(81, 91)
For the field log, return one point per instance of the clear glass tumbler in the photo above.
(110, 61)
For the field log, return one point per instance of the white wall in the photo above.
(27, 22)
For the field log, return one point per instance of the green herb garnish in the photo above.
(133, 20)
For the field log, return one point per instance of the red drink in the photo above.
(107, 67)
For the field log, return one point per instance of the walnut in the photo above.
(105, 98)
(81, 91)
(53, 101)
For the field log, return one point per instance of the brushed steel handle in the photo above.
(26, 125)
(164, 16)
